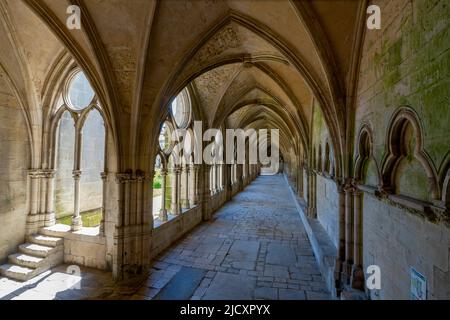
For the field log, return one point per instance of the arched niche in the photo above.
(366, 167)
(407, 164)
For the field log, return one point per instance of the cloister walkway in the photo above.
(255, 247)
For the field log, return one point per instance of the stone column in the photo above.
(186, 195)
(312, 194)
(300, 181)
(347, 267)
(133, 227)
(104, 177)
(193, 199)
(206, 195)
(218, 185)
(176, 206)
(77, 224)
(33, 218)
(141, 180)
(239, 177)
(232, 180)
(50, 218)
(214, 179)
(357, 228)
(221, 169)
(341, 249)
(357, 275)
(163, 211)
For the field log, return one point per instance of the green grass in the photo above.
(157, 180)
(89, 218)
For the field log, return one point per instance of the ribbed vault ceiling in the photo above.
(252, 64)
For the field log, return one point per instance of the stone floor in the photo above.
(254, 248)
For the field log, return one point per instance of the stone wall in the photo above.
(216, 201)
(14, 163)
(328, 207)
(396, 240)
(407, 63)
(85, 250)
(169, 232)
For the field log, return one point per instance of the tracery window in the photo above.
(175, 176)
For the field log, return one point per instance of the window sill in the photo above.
(65, 231)
(170, 217)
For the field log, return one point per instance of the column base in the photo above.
(34, 223)
(337, 276)
(185, 204)
(102, 227)
(176, 210)
(312, 212)
(163, 215)
(346, 272)
(357, 280)
(50, 219)
(77, 224)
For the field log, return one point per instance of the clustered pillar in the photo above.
(163, 211)
(176, 205)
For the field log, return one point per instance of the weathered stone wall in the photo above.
(326, 190)
(216, 201)
(14, 163)
(328, 207)
(396, 240)
(169, 232)
(407, 63)
(85, 250)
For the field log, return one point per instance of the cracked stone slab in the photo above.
(226, 286)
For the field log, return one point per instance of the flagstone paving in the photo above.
(255, 247)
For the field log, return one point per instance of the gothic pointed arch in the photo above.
(398, 148)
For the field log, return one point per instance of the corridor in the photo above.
(255, 247)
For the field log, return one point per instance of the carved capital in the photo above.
(76, 174)
(383, 192)
(36, 173)
(123, 177)
(49, 173)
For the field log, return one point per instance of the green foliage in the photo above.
(156, 185)
(157, 180)
(89, 218)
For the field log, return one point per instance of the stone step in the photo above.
(25, 260)
(37, 250)
(46, 240)
(17, 272)
(58, 230)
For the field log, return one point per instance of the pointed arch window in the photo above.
(79, 144)
(173, 190)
